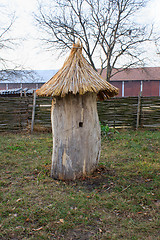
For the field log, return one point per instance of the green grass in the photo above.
(120, 200)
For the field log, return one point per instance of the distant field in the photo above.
(120, 200)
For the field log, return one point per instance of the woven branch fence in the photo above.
(16, 113)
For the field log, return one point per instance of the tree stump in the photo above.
(76, 136)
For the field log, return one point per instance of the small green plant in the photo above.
(106, 131)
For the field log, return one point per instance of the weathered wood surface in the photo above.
(42, 113)
(138, 111)
(150, 112)
(16, 112)
(76, 136)
(118, 112)
(33, 111)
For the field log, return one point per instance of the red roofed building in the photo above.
(133, 80)
(129, 82)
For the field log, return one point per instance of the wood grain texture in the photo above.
(76, 136)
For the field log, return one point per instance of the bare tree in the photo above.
(9, 43)
(106, 28)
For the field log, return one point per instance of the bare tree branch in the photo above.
(8, 42)
(106, 28)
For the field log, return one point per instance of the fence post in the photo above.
(114, 121)
(33, 111)
(138, 110)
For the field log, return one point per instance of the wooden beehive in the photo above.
(75, 123)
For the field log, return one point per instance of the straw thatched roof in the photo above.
(77, 77)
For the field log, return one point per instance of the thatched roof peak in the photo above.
(77, 77)
(77, 46)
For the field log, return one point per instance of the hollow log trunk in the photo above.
(76, 136)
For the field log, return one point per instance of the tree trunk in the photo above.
(76, 136)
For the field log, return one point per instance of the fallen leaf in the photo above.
(61, 220)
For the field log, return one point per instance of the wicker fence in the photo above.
(122, 112)
(16, 112)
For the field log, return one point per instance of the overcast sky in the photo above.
(30, 52)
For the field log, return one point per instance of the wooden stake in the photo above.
(138, 110)
(33, 111)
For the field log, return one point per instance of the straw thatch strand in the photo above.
(77, 77)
